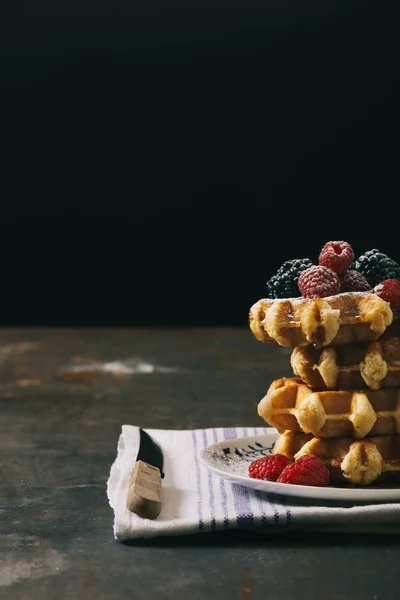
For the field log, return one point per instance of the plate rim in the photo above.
(371, 495)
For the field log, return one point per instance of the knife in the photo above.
(144, 493)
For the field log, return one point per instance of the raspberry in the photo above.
(376, 267)
(268, 467)
(353, 281)
(389, 290)
(318, 282)
(306, 470)
(337, 256)
(284, 283)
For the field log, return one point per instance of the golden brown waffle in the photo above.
(356, 365)
(362, 462)
(339, 319)
(291, 404)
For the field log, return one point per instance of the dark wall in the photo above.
(164, 158)
(121, 270)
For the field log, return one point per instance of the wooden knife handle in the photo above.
(144, 494)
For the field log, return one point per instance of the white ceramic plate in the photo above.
(230, 459)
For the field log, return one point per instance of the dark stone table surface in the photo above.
(64, 395)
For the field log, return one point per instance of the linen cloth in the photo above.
(194, 500)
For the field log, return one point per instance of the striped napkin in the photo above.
(195, 500)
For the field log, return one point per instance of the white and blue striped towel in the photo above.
(194, 500)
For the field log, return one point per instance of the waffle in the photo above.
(355, 365)
(362, 462)
(291, 404)
(340, 319)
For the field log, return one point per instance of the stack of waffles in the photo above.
(343, 402)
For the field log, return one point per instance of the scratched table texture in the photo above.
(65, 394)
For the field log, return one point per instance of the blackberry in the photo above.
(353, 281)
(376, 267)
(284, 283)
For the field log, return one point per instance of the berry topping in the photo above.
(376, 267)
(389, 290)
(268, 467)
(337, 256)
(306, 470)
(318, 282)
(284, 283)
(353, 281)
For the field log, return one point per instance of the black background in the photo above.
(160, 160)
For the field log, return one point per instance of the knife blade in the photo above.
(144, 492)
